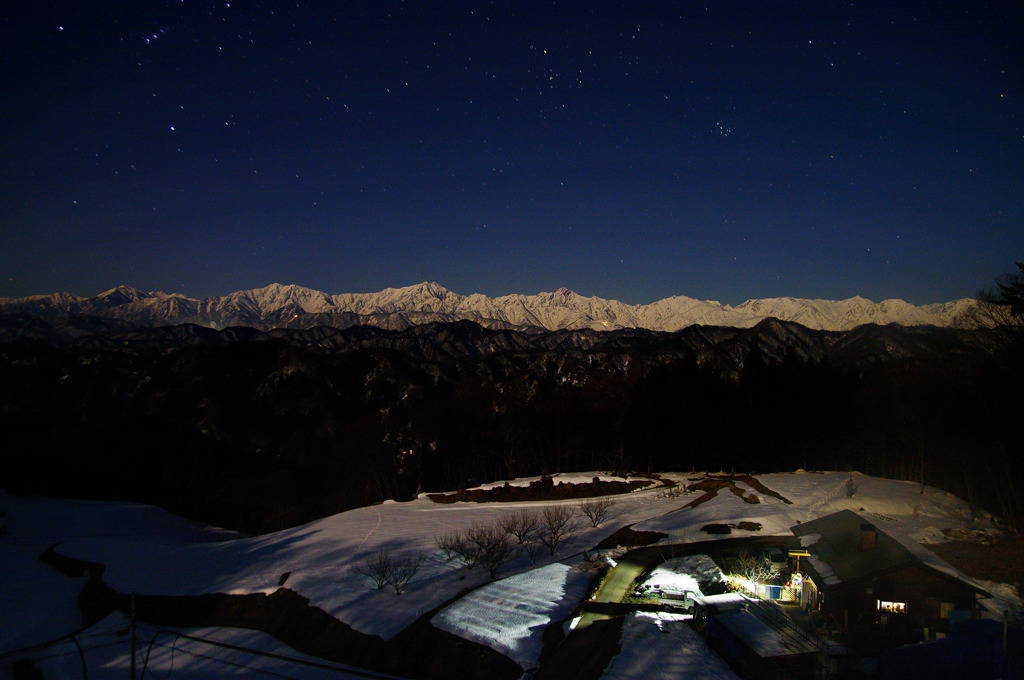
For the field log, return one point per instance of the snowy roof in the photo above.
(834, 542)
(765, 639)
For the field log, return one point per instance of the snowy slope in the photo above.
(148, 551)
(39, 598)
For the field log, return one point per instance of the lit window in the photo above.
(894, 607)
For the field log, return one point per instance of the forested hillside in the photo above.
(257, 430)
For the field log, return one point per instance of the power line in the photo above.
(263, 653)
(95, 644)
(175, 648)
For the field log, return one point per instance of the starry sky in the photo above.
(629, 150)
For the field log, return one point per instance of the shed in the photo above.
(758, 640)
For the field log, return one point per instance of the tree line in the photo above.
(950, 426)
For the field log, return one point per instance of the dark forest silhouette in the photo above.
(259, 435)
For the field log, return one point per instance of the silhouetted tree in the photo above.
(1001, 304)
(1010, 289)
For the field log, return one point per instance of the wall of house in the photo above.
(928, 598)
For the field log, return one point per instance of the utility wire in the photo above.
(263, 653)
(80, 652)
(264, 671)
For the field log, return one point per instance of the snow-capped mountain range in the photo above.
(293, 306)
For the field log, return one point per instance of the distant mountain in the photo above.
(291, 306)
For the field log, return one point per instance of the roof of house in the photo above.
(834, 542)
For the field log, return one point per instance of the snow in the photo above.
(163, 653)
(660, 646)
(758, 635)
(45, 611)
(510, 615)
(150, 551)
(926, 556)
(898, 504)
(1006, 602)
(808, 540)
(561, 309)
(322, 558)
(824, 570)
(43, 601)
(683, 574)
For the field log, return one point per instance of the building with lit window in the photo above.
(879, 585)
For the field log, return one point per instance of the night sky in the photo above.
(631, 151)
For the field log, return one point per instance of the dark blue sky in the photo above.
(627, 150)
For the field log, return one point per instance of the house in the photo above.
(879, 586)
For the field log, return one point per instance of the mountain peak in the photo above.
(428, 302)
(429, 288)
(278, 289)
(562, 293)
(123, 290)
(122, 294)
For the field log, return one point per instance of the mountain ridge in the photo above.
(293, 306)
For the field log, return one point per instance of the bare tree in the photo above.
(521, 523)
(465, 550)
(1001, 304)
(556, 526)
(493, 547)
(405, 568)
(596, 510)
(1009, 292)
(850, 487)
(985, 313)
(755, 568)
(385, 570)
(378, 567)
(533, 550)
(448, 543)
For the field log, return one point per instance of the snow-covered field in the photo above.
(510, 615)
(149, 551)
